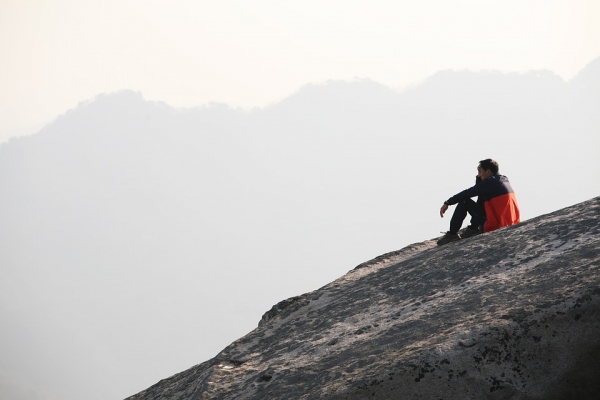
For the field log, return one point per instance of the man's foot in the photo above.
(470, 231)
(447, 238)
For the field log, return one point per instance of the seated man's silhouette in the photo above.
(496, 204)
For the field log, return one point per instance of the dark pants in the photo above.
(463, 207)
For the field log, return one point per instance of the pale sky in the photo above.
(57, 53)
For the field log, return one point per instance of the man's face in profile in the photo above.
(483, 173)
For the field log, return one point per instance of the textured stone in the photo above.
(512, 314)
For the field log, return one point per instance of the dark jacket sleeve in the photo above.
(473, 191)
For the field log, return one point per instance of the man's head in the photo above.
(487, 168)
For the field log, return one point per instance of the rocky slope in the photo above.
(513, 314)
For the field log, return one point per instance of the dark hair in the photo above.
(490, 164)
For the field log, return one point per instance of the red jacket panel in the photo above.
(501, 211)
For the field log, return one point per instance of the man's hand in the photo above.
(443, 210)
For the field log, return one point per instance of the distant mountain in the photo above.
(509, 314)
(588, 79)
(137, 238)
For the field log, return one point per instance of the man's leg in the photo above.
(478, 215)
(463, 208)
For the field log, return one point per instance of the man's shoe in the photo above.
(447, 238)
(470, 231)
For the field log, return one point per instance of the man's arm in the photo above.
(473, 191)
(467, 193)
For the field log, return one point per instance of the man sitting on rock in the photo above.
(496, 204)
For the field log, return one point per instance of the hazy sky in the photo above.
(56, 53)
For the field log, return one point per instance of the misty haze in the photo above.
(139, 239)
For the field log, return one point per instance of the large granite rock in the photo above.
(513, 314)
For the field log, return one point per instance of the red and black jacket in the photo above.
(499, 201)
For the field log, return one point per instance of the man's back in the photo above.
(500, 203)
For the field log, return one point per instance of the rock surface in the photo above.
(513, 314)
